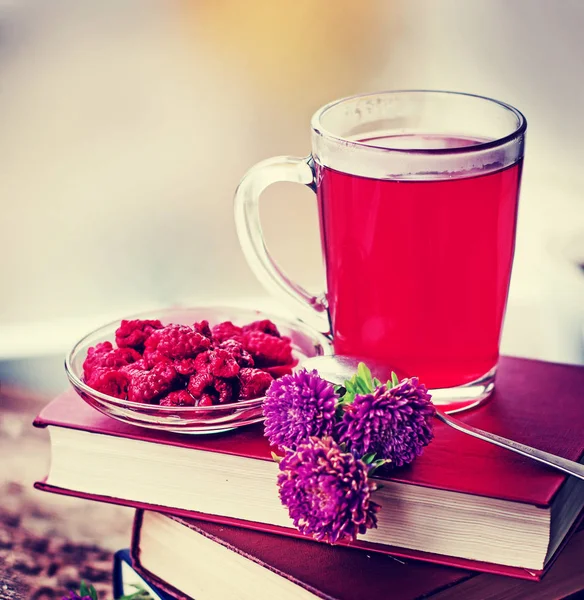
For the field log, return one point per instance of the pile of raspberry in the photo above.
(182, 365)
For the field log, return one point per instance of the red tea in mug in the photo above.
(418, 270)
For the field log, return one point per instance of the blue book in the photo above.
(126, 581)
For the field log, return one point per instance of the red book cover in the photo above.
(536, 403)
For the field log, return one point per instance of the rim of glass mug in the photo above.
(340, 130)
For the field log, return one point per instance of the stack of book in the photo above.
(465, 520)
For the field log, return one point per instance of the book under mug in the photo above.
(462, 503)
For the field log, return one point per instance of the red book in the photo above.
(188, 558)
(464, 502)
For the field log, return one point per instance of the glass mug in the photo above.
(417, 194)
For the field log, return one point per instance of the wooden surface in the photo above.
(48, 543)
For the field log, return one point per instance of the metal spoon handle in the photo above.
(562, 464)
(338, 368)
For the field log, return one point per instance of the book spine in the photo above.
(137, 565)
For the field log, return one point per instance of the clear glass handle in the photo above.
(309, 308)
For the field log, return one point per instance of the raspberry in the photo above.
(219, 363)
(138, 366)
(101, 348)
(133, 334)
(109, 381)
(206, 400)
(199, 382)
(151, 359)
(178, 398)
(223, 364)
(95, 356)
(267, 350)
(221, 390)
(254, 383)
(227, 331)
(175, 342)
(103, 355)
(225, 389)
(266, 326)
(147, 386)
(186, 366)
(203, 328)
(242, 357)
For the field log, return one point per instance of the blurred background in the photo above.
(126, 127)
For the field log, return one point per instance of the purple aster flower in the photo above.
(75, 596)
(298, 406)
(393, 423)
(326, 491)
